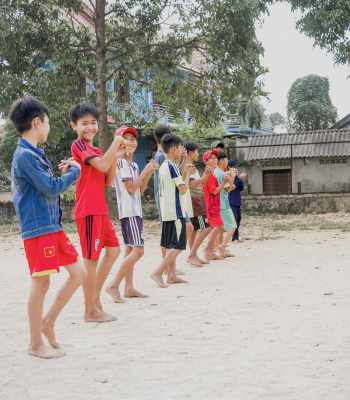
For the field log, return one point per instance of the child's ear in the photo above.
(72, 125)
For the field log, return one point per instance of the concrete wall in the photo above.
(296, 203)
(308, 176)
(259, 205)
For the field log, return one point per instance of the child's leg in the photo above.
(130, 291)
(164, 266)
(75, 279)
(104, 269)
(92, 312)
(189, 234)
(37, 348)
(114, 288)
(211, 245)
(132, 255)
(172, 277)
(199, 239)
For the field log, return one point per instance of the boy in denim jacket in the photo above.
(36, 200)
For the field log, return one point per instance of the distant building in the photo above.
(310, 162)
(344, 123)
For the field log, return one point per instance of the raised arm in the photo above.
(104, 163)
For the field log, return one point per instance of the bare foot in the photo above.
(203, 261)
(179, 272)
(132, 292)
(213, 256)
(195, 262)
(175, 280)
(49, 332)
(158, 279)
(228, 254)
(99, 317)
(45, 352)
(99, 305)
(115, 294)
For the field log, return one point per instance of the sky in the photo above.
(290, 55)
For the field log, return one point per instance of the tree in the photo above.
(309, 104)
(151, 42)
(327, 22)
(251, 112)
(277, 119)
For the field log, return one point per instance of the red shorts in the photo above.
(96, 232)
(215, 220)
(46, 253)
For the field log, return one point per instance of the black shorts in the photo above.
(200, 223)
(174, 234)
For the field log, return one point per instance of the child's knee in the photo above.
(113, 252)
(77, 274)
(140, 251)
(42, 284)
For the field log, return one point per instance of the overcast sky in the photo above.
(289, 55)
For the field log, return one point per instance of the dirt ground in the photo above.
(272, 323)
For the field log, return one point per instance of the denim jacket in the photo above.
(36, 191)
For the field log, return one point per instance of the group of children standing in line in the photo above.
(191, 208)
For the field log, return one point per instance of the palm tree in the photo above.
(251, 112)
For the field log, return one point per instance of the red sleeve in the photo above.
(82, 153)
(212, 184)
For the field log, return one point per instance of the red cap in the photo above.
(210, 153)
(123, 130)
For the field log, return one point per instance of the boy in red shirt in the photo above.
(95, 228)
(212, 190)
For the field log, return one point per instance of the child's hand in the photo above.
(152, 166)
(64, 165)
(208, 170)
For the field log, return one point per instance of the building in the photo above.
(344, 123)
(310, 162)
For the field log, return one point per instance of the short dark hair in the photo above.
(232, 163)
(24, 110)
(81, 110)
(222, 155)
(169, 141)
(220, 145)
(190, 146)
(160, 131)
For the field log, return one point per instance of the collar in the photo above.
(25, 143)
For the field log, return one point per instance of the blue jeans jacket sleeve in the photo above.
(31, 169)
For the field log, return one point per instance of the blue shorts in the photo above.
(132, 231)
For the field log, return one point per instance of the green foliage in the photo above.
(309, 104)
(197, 57)
(251, 113)
(277, 119)
(327, 22)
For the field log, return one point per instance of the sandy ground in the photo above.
(271, 324)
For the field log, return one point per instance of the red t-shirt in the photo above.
(212, 201)
(90, 189)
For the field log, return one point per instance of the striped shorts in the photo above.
(132, 231)
(199, 223)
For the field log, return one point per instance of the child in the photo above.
(212, 191)
(225, 209)
(160, 132)
(36, 200)
(171, 186)
(199, 220)
(129, 186)
(95, 228)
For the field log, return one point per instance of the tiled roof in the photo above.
(304, 145)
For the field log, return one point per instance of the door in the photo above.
(277, 181)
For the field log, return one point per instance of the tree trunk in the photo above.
(101, 72)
